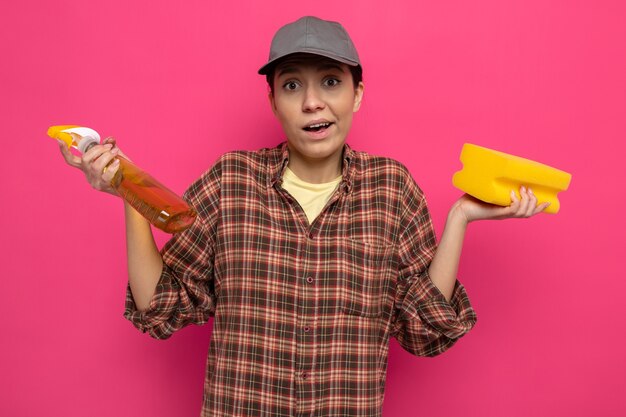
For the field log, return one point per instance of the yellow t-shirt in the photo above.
(312, 197)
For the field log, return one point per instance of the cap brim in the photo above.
(267, 68)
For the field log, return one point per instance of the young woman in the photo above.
(309, 255)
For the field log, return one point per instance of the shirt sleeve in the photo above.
(185, 291)
(424, 322)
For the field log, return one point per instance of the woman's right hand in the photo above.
(95, 164)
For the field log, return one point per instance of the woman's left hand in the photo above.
(473, 209)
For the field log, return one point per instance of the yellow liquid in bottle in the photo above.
(161, 206)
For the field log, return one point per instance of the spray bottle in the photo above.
(161, 206)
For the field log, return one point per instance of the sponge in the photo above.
(491, 175)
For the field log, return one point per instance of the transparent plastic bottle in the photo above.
(161, 206)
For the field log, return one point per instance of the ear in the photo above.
(270, 97)
(358, 96)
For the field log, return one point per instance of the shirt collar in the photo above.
(279, 158)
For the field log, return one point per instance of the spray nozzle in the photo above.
(73, 135)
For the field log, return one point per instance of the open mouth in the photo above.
(317, 127)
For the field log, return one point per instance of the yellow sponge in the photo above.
(491, 175)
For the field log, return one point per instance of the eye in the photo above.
(290, 85)
(332, 82)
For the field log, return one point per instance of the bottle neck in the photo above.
(91, 145)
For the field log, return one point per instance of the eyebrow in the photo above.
(291, 68)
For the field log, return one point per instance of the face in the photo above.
(314, 99)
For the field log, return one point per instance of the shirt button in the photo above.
(305, 375)
(306, 329)
(309, 280)
(311, 236)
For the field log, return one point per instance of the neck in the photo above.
(316, 171)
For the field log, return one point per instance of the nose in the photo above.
(312, 100)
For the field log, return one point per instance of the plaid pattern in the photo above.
(303, 313)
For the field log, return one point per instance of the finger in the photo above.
(69, 157)
(110, 140)
(532, 203)
(541, 207)
(104, 160)
(95, 152)
(110, 171)
(523, 207)
(515, 202)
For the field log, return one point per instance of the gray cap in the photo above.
(312, 35)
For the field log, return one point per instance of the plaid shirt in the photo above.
(303, 312)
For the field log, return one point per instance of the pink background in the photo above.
(177, 86)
